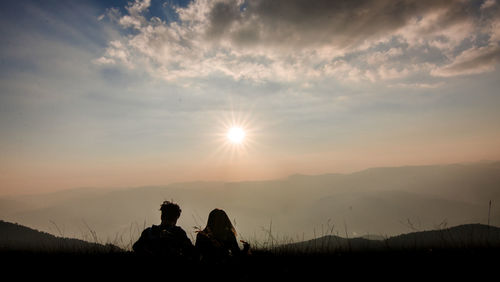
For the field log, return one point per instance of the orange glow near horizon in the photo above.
(222, 160)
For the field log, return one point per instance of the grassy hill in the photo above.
(467, 251)
(15, 237)
(462, 237)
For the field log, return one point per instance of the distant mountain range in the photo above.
(462, 237)
(15, 237)
(382, 202)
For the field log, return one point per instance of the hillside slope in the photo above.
(15, 237)
(462, 237)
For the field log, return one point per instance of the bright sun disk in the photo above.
(236, 135)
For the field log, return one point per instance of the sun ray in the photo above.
(236, 133)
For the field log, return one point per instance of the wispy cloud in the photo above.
(472, 61)
(298, 40)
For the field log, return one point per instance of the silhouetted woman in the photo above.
(218, 240)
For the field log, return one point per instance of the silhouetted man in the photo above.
(165, 239)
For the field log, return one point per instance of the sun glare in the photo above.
(236, 135)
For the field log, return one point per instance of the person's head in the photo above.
(170, 212)
(219, 224)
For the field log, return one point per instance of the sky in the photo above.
(135, 93)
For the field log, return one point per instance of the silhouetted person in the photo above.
(166, 239)
(218, 240)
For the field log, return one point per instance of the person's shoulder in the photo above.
(146, 233)
(203, 237)
(151, 230)
(154, 227)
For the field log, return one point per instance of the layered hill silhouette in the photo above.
(462, 237)
(28, 253)
(377, 201)
(15, 237)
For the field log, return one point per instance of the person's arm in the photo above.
(186, 244)
(200, 240)
(235, 249)
(246, 247)
(141, 246)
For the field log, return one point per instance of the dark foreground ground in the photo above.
(261, 266)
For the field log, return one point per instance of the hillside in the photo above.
(15, 237)
(462, 237)
(458, 237)
(47, 256)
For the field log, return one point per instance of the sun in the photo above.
(236, 135)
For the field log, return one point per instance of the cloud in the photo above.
(488, 4)
(292, 40)
(495, 31)
(418, 85)
(472, 61)
(135, 18)
(301, 23)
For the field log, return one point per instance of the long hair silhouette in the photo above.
(218, 239)
(219, 225)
